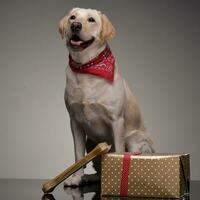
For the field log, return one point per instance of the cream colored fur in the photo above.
(100, 111)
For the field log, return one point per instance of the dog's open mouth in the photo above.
(77, 43)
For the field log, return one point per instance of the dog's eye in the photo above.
(91, 19)
(73, 17)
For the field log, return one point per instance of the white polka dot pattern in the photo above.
(149, 176)
(111, 173)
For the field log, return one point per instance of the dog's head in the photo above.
(85, 27)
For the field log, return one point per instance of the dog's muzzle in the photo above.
(75, 41)
(76, 27)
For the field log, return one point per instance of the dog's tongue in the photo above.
(77, 43)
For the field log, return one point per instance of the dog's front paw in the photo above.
(74, 180)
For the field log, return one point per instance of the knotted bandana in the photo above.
(103, 65)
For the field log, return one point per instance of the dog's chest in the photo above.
(83, 88)
(92, 100)
(83, 96)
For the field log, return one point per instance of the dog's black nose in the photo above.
(76, 27)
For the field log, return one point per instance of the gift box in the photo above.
(145, 175)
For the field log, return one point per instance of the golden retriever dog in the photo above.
(101, 109)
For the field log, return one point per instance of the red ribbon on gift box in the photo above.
(125, 173)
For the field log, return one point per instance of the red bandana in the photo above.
(103, 65)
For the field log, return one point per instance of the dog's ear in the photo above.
(62, 26)
(108, 30)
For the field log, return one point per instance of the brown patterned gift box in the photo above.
(146, 175)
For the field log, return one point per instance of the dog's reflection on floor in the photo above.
(92, 192)
(89, 192)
